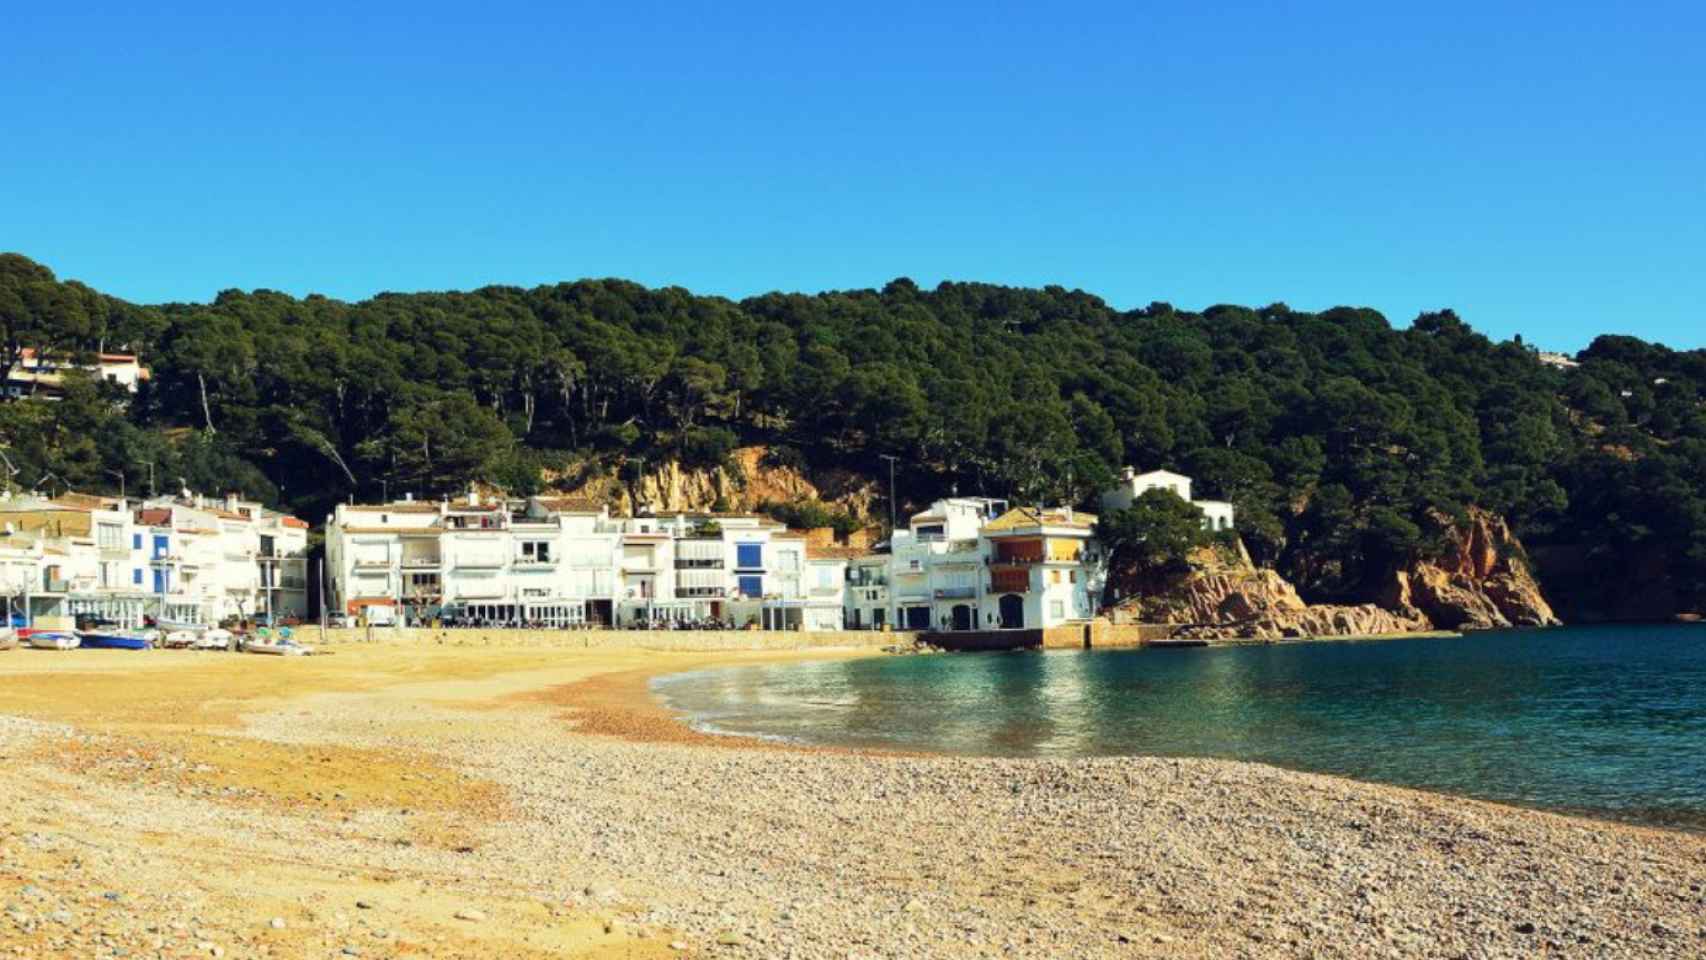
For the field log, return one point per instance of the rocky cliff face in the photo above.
(1481, 582)
(1223, 599)
(742, 486)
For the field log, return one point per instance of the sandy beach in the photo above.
(452, 802)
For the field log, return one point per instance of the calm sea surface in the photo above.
(1609, 721)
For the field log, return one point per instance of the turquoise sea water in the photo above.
(1609, 721)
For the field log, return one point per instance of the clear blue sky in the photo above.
(1540, 167)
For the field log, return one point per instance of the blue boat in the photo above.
(115, 640)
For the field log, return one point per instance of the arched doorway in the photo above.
(1012, 612)
(962, 617)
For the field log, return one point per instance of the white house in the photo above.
(1217, 514)
(549, 561)
(866, 595)
(973, 564)
(44, 376)
(1042, 568)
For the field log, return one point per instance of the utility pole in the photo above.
(150, 465)
(120, 475)
(891, 458)
(894, 602)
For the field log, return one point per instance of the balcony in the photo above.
(533, 563)
(422, 563)
(955, 593)
(479, 563)
(371, 564)
(700, 593)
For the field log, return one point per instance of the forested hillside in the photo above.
(1337, 436)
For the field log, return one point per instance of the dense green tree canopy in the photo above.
(1337, 436)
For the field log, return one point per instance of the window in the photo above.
(1056, 576)
(1057, 609)
(1072, 576)
(749, 556)
(160, 546)
(136, 576)
(752, 586)
(136, 541)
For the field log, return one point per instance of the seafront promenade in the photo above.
(474, 801)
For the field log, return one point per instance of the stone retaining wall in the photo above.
(663, 640)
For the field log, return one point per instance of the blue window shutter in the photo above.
(752, 586)
(136, 541)
(749, 555)
(136, 576)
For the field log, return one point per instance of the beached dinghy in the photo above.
(113, 640)
(215, 639)
(52, 640)
(178, 639)
(281, 644)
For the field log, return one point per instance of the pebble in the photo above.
(277, 923)
(471, 915)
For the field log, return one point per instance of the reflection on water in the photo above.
(1606, 720)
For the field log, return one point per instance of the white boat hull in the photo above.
(277, 649)
(54, 641)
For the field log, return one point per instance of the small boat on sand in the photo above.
(178, 639)
(52, 640)
(113, 640)
(8, 638)
(280, 644)
(217, 638)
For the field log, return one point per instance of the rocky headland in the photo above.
(1480, 581)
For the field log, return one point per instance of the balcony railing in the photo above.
(422, 563)
(955, 593)
(372, 564)
(535, 561)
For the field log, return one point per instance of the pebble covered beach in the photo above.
(481, 803)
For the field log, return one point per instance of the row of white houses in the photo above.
(557, 562)
(186, 559)
(963, 564)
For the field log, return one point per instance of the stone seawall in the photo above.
(662, 640)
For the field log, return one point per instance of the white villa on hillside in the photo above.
(1217, 514)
